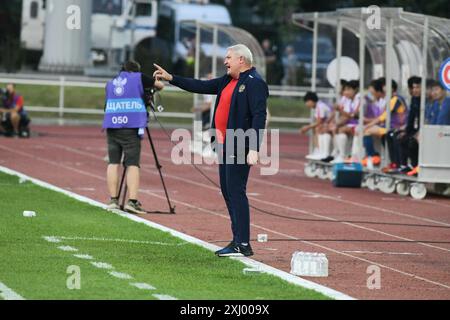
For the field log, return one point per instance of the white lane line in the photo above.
(117, 240)
(68, 248)
(249, 262)
(437, 203)
(317, 215)
(84, 256)
(383, 252)
(337, 198)
(52, 239)
(120, 275)
(308, 213)
(307, 192)
(142, 286)
(350, 224)
(163, 297)
(102, 265)
(414, 276)
(334, 198)
(9, 294)
(80, 189)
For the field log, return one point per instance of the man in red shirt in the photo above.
(241, 107)
(12, 108)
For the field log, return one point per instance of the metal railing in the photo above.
(83, 82)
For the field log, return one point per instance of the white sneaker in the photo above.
(337, 160)
(318, 156)
(315, 153)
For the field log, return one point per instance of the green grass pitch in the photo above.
(38, 269)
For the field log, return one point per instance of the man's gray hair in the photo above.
(242, 51)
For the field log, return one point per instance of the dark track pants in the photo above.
(233, 183)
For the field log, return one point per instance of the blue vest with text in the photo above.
(125, 107)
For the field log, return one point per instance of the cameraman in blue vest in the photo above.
(125, 121)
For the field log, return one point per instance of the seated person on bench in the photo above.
(321, 134)
(439, 113)
(377, 127)
(348, 120)
(11, 109)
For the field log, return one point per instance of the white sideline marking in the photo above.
(120, 275)
(8, 294)
(52, 239)
(102, 265)
(84, 256)
(67, 248)
(383, 252)
(116, 240)
(81, 189)
(142, 286)
(249, 262)
(163, 297)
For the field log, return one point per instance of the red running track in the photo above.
(408, 239)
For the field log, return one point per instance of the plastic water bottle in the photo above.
(323, 265)
(305, 263)
(314, 265)
(309, 264)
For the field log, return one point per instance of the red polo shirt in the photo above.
(223, 109)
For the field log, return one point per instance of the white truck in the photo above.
(116, 24)
(146, 29)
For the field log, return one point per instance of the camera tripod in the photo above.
(158, 166)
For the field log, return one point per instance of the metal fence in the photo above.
(83, 82)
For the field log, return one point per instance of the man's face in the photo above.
(437, 93)
(415, 90)
(10, 88)
(233, 64)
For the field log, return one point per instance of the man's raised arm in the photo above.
(188, 84)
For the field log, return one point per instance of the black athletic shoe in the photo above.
(230, 245)
(327, 159)
(237, 251)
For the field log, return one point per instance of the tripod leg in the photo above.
(122, 206)
(158, 166)
(122, 180)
